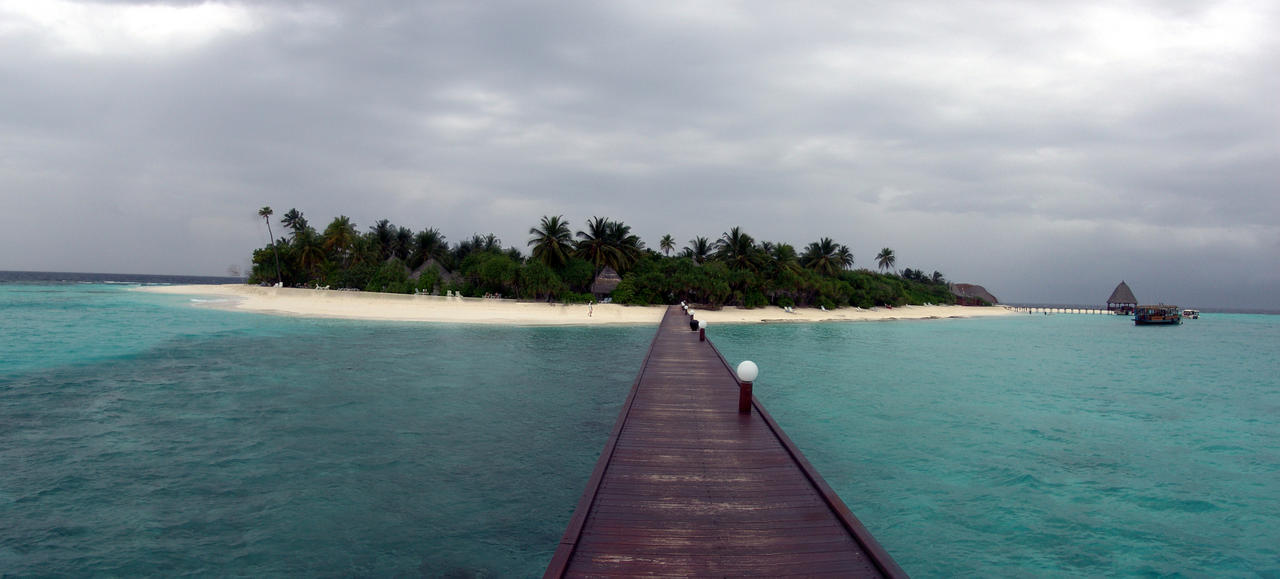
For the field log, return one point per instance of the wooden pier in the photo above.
(688, 485)
(1063, 310)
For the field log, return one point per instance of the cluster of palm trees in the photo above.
(731, 269)
(610, 243)
(737, 248)
(308, 256)
(604, 243)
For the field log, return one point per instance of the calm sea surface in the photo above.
(1072, 445)
(146, 434)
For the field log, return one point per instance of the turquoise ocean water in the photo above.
(1061, 445)
(145, 434)
(140, 435)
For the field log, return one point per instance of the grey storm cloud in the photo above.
(1046, 151)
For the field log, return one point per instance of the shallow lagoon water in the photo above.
(146, 435)
(1042, 445)
(150, 437)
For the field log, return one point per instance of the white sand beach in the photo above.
(410, 308)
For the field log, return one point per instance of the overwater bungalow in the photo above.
(1122, 301)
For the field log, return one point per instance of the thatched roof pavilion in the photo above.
(1122, 299)
(606, 282)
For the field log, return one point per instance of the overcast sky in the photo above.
(1046, 150)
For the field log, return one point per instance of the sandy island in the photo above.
(410, 308)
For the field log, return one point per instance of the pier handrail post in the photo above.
(747, 372)
(702, 330)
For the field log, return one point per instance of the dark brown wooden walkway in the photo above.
(687, 485)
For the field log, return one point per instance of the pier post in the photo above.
(747, 372)
(702, 330)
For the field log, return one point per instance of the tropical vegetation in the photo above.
(733, 269)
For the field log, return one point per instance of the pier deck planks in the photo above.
(687, 485)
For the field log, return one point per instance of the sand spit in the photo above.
(410, 308)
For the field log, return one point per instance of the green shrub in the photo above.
(576, 298)
(578, 274)
(391, 277)
(428, 279)
(754, 299)
(626, 293)
(538, 280)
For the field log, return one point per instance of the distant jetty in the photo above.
(1063, 310)
(1121, 303)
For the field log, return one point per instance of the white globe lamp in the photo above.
(747, 372)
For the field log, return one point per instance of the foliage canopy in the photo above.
(732, 270)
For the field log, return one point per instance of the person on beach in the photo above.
(591, 308)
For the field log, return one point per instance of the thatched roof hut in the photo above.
(968, 294)
(1122, 299)
(606, 282)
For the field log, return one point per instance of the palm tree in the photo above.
(608, 243)
(629, 243)
(428, 244)
(383, 235)
(737, 250)
(464, 248)
(294, 220)
(823, 256)
(593, 244)
(403, 243)
(667, 244)
(784, 257)
(699, 249)
(340, 236)
(310, 249)
(265, 213)
(844, 257)
(886, 259)
(552, 241)
(490, 242)
(475, 244)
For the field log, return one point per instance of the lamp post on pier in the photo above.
(747, 372)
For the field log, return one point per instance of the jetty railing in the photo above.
(1065, 310)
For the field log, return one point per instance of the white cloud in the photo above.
(108, 30)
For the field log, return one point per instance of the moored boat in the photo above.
(1193, 314)
(1160, 314)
